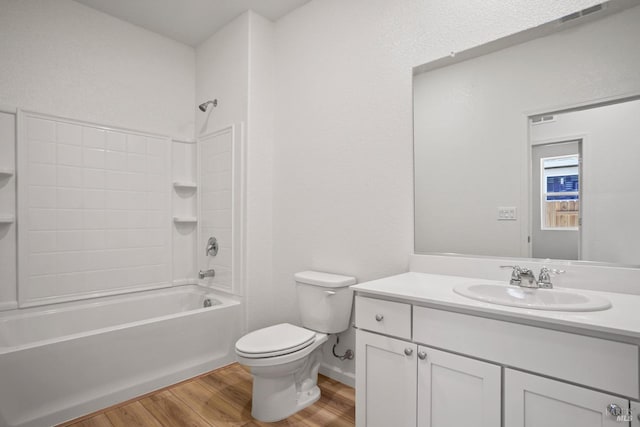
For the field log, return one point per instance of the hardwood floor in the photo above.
(220, 398)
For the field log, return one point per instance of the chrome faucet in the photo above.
(212, 247)
(525, 278)
(515, 274)
(544, 279)
(207, 273)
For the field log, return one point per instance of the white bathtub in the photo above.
(61, 361)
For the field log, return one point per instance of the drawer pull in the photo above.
(408, 351)
(379, 317)
(422, 355)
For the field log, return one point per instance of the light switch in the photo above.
(508, 213)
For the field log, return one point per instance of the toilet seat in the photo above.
(273, 341)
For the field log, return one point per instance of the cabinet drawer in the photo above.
(598, 363)
(385, 317)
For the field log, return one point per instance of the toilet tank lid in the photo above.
(326, 280)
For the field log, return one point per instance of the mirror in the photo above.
(529, 146)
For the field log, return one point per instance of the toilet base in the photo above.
(279, 392)
(277, 409)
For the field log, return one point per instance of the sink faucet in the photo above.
(527, 279)
(515, 274)
(544, 279)
(207, 273)
(524, 277)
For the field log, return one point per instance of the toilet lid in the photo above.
(275, 340)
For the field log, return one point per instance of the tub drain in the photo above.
(207, 302)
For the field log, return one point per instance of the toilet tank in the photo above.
(324, 300)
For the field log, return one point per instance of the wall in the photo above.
(236, 66)
(473, 115)
(343, 181)
(8, 256)
(261, 298)
(610, 194)
(72, 61)
(222, 63)
(94, 210)
(67, 59)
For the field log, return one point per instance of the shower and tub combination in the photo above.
(118, 289)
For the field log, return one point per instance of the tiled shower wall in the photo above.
(7, 211)
(94, 210)
(183, 161)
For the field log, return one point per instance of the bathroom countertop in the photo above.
(620, 322)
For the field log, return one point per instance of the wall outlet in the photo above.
(507, 213)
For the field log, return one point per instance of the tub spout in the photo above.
(207, 273)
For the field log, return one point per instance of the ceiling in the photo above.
(189, 21)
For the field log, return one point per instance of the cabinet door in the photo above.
(385, 381)
(634, 414)
(533, 401)
(457, 391)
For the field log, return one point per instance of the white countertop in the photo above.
(622, 319)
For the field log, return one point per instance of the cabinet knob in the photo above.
(614, 409)
(379, 317)
(422, 355)
(408, 351)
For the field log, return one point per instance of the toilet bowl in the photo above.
(285, 373)
(284, 359)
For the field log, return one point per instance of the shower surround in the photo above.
(107, 290)
(94, 208)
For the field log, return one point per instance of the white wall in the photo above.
(184, 203)
(94, 209)
(261, 298)
(343, 179)
(473, 115)
(221, 73)
(8, 255)
(610, 193)
(63, 58)
(236, 66)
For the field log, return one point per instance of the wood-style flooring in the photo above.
(220, 398)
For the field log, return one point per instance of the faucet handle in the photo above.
(544, 278)
(515, 274)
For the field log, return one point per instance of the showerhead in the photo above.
(204, 105)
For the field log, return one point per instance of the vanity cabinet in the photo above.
(387, 381)
(531, 400)
(426, 367)
(402, 384)
(456, 391)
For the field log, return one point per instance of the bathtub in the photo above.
(62, 361)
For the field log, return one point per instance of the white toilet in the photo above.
(284, 359)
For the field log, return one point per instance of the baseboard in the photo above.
(334, 373)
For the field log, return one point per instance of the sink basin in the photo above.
(536, 299)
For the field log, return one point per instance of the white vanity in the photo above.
(427, 356)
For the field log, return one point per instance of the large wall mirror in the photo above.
(530, 146)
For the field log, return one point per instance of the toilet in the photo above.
(284, 359)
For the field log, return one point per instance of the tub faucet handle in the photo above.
(212, 247)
